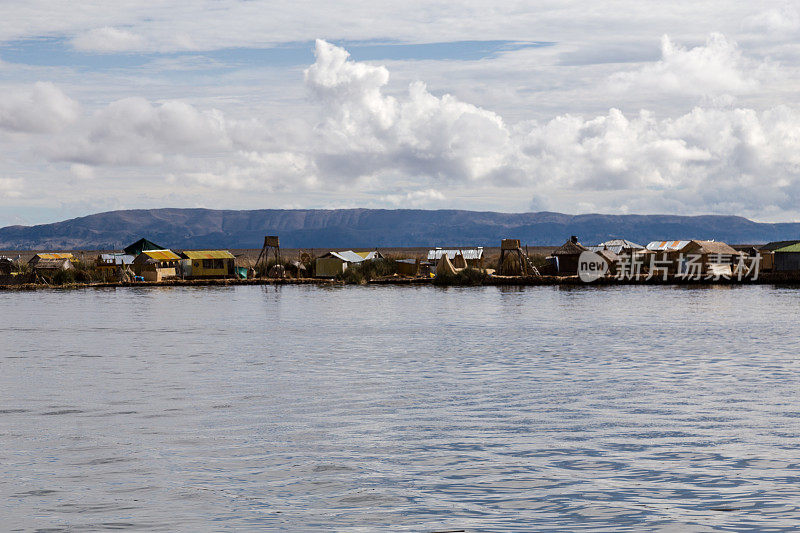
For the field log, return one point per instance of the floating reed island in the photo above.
(617, 261)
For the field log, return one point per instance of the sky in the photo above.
(569, 106)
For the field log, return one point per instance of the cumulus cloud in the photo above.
(133, 131)
(715, 68)
(108, 39)
(406, 146)
(254, 171)
(441, 140)
(703, 149)
(43, 108)
(366, 132)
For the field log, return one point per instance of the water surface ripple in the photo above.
(400, 409)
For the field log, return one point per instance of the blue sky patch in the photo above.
(52, 51)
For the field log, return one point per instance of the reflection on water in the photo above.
(402, 409)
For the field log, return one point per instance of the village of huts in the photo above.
(146, 261)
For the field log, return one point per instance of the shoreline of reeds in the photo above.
(469, 279)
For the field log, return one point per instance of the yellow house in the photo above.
(208, 264)
(155, 265)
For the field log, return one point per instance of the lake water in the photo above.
(305, 408)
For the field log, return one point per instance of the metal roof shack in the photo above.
(114, 260)
(469, 254)
(617, 246)
(350, 256)
(667, 246)
(332, 264)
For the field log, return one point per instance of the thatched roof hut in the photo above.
(566, 256)
(712, 257)
(53, 265)
(707, 248)
(6, 266)
(611, 258)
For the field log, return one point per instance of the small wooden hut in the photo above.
(566, 257)
(332, 264)
(714, 258)
(787, 259)
(155, 265)
(767, 253)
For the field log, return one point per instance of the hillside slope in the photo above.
(313, 228)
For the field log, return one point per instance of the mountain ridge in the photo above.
(184, 228)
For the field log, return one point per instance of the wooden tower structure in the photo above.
(512, 247)
(271, 244)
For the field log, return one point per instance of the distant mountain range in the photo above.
(368, 228)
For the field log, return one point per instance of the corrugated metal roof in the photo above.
(792, 248)
(470, 254)
(349, 256)
(621, 243)
(613, 248)
(162, 255)
(208, 254)
(117, 259)
(667, 246)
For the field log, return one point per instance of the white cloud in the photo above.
(134, 131)
(423, 198)
(11, 188)
(365, 132)
(82, 172)
(212, 24)
(375, 143)
(779, 20)
(430, 141)
(43, 108)
(715, 68)
(108, 39)
(253, 171)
